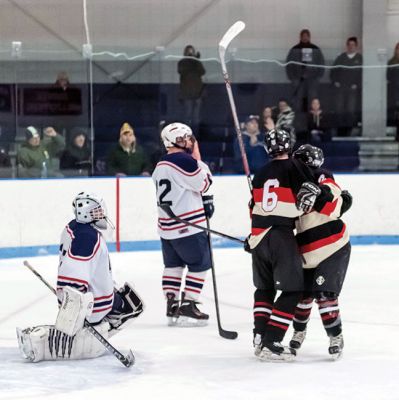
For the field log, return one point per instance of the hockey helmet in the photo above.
(175, 134)
(277, 141)
(311, 155)
(90, 208)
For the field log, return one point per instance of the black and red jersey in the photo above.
(321, 232)
(274, 194)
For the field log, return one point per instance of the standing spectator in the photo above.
(304, 78)
(347, 83)
(393, 90)
(191, 71)
(40, 159)
(62, 81)
(76, 158)
(253, 144)
(128, 158)
(317, 123)
(267, 121)
(285, 119)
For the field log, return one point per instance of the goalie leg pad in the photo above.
(127, 305)
(44, 342)
(75, 307)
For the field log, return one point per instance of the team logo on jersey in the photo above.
(320, 280)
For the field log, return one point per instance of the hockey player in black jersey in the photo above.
(325, 248)
(276, 261)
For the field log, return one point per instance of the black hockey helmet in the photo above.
(311, 155)
(277, 141)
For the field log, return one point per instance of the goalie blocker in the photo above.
(68, 339)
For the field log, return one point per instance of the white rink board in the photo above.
(38, 209)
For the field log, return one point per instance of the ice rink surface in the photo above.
(196, 363)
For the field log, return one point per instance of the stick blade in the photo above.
(129, 359)
(228, 334)
(231, 33)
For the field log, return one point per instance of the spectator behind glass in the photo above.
(285, 119)
(128, 158)
(40, 159)
(267, 122)
(253, 145)
(5, 164)
(393, 90)
(191, 71)
(318, 123)
(347, 83)
(304, 79)
(75, 159)
(62, 81)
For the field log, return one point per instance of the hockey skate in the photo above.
(190, 315)
(336, 346)
(257, 344)
(297, 339)
(276, 352)
(172, 309)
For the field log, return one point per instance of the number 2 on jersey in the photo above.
(168, 188)
(270, 199)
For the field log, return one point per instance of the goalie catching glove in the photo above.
(307, 196)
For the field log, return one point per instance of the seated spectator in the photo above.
(36, 158)
(128, 158)
(76, 158)
(267, 119)
(285, 119)
(253, 144)
(62, 81)
(318, 123)
(5, 164)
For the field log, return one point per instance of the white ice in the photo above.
(196, 363)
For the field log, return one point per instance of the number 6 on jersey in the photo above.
(270, 199)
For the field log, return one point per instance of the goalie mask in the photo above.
(277, 141)
(90, 208)
(175, 135)
(311, 155)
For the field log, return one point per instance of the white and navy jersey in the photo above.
(180, 181)
(321, 232)
(85, 266)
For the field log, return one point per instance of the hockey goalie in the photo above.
(85, 290)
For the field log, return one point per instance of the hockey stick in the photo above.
(127, 360)
(231, 33)
(166, 207)
(222, 332)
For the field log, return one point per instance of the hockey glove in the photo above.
(347, 200)
(209, 207)
(307, 196)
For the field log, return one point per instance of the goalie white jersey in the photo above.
(180, 181)
(84, 265)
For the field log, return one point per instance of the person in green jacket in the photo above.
(128, 158)
(38, 158)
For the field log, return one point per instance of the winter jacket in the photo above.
(305, 53)
(42, 160)
(128, 163)
(347, 77)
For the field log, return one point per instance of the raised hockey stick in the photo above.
(222, 332)
(231, 33)
(127, 360)
(166, 207)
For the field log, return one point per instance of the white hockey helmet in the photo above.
(175, 134)
(90, 208)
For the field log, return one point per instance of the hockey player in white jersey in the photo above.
(181, 179)
(85, 290)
